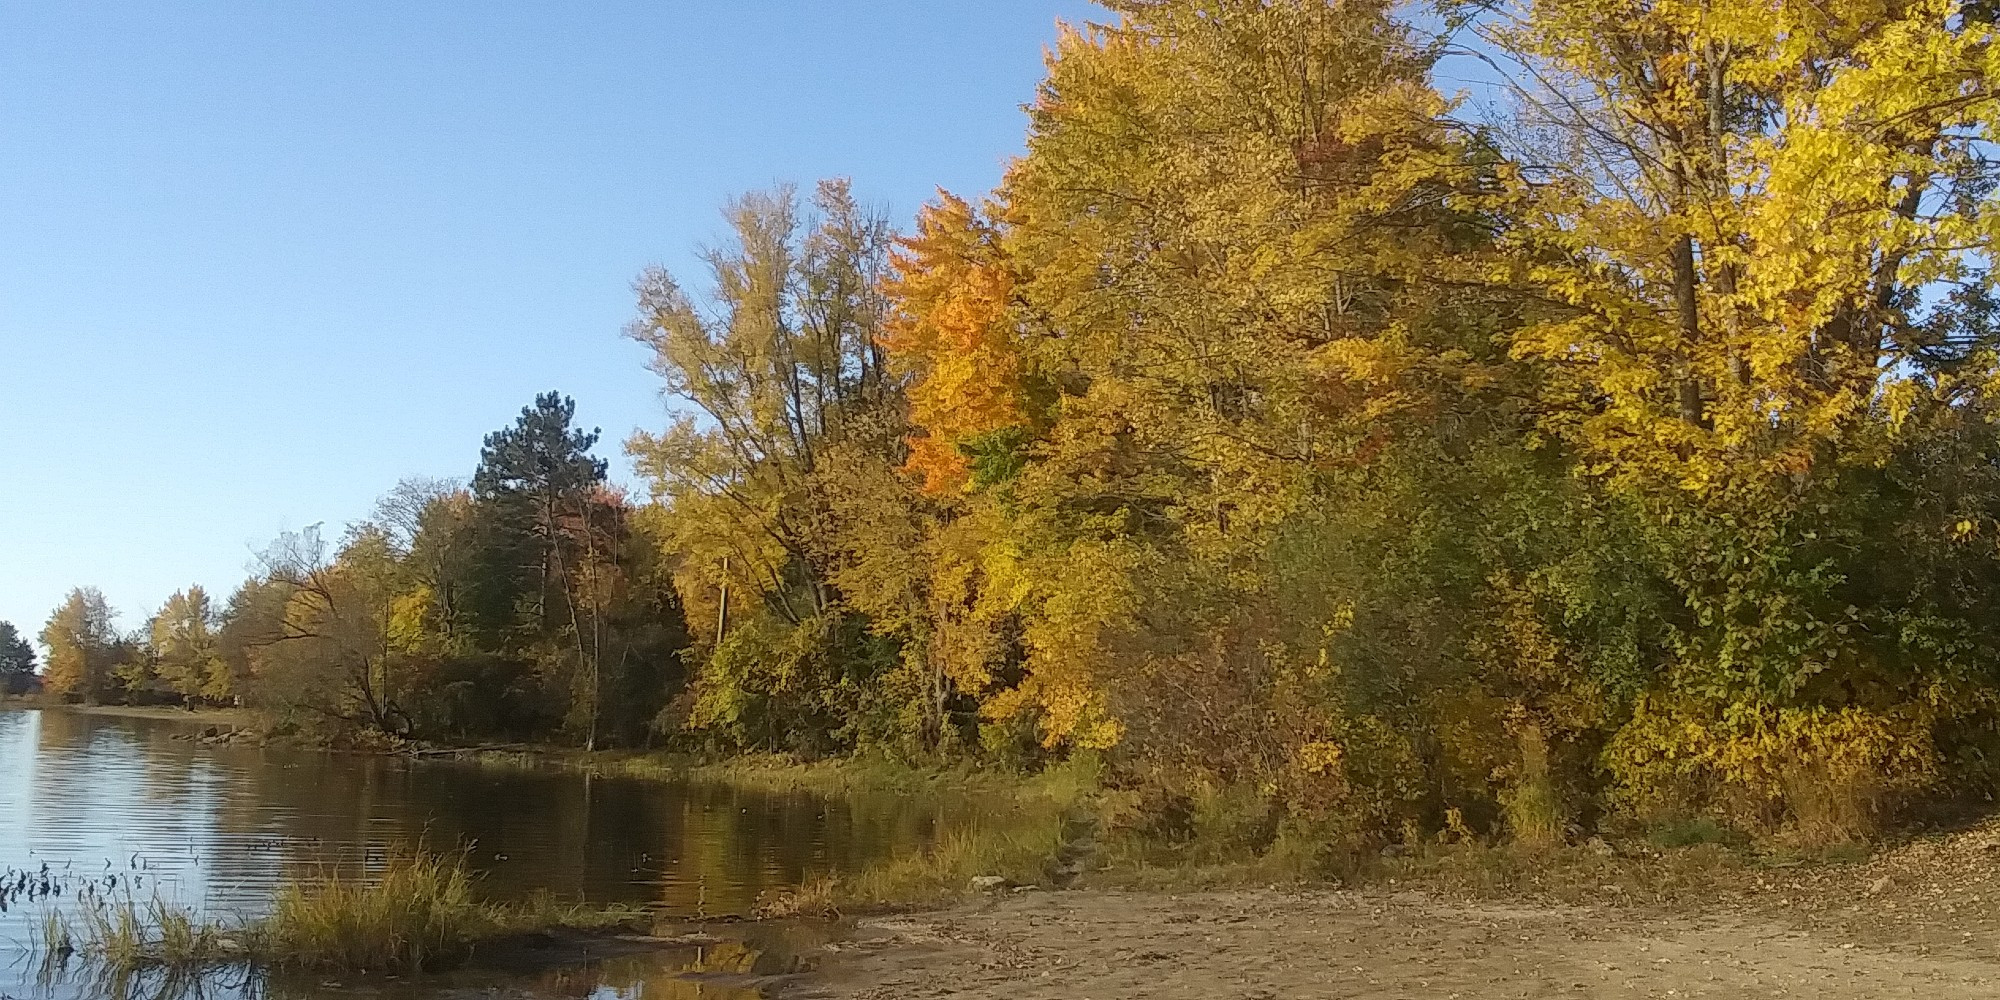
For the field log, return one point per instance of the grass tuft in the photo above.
(816, 899)
(419, 911)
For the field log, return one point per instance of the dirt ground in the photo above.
(1913, 922)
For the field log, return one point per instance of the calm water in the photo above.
(123, 804)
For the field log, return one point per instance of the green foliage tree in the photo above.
(17, 661)
(545, 489)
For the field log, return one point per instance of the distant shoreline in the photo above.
(168, 713)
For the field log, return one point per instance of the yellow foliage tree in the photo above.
(83, 647)
(951, 336)
(188, 654)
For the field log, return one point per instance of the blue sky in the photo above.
(258, 261)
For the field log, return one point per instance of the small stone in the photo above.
(1600, 847)
(1881, 885)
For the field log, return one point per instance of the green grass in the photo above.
(1029, 831)
(1017, 827)
(1692, 832)
(783, 773)
(853, 776)
(1020, 853)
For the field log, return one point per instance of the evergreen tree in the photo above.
(17, 661)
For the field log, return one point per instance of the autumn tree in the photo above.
(184, 646)
(792, 415)
(428, 525)
(248, 622)
(1182, 359)
(83, 647)
(315, 630)
(1762, 237)
(951, 334)
(785, 365)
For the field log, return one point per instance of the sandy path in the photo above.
(1096, 945)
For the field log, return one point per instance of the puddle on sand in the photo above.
(741, 962)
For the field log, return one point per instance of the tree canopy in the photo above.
(1279, 424)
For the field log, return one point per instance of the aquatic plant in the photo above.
(417, 912)
(123, 931)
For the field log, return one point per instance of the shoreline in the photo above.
(1591, 920)
(1912, 919)
(233, 717)
(763, 772)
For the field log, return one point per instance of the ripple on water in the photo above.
(218, 829)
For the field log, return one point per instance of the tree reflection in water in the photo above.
(92, 798)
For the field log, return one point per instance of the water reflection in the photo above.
(90, 797)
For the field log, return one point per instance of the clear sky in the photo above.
(260, 260)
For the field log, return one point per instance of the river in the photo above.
(124, 803)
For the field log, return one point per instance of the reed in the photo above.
(129, 933)
(418, 910)
(53, 936)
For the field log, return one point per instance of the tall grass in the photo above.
(1023, 855)
(54, 937)
(127, 932)
(418, 911)
(1032, 831)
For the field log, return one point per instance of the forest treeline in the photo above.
(531, 602)
(1621, 448)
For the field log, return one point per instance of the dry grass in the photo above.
(543, 910)
(781, 774)
(418, 912)
(816, 899)
(126, 932)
